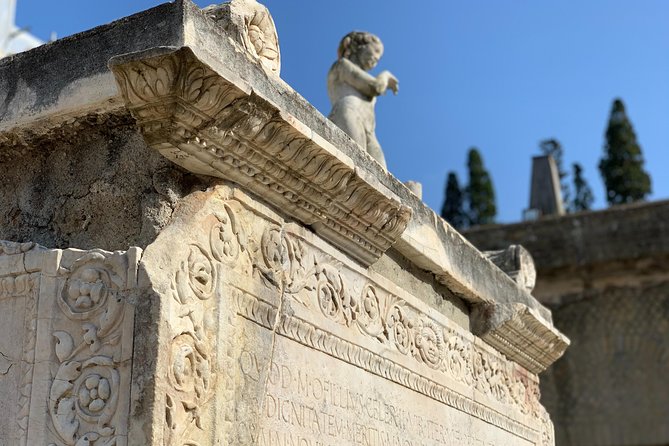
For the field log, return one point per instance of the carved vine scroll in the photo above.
(320, 293)
(88, 396)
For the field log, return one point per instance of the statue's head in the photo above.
(361, 48)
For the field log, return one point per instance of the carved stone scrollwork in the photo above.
(172, 97)
(321, 284)
(212, 125)
(84, 395)
(193, 321)
(369, 317)
(303, 291)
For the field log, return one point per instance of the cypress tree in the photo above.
(480, 192)
(553, 148)
(453, 211)
(622, 164)
(583, 197)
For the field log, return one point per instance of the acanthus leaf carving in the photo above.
(213, 125)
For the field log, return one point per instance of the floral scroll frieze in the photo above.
(191, 371)
(332, 293)
(321, 284)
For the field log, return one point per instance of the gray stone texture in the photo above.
(604, 276)
(90, 183)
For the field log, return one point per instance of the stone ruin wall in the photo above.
(604, 276)
(197, 257)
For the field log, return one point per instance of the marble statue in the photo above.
(353, 90)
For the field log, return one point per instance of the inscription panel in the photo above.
(312, 399)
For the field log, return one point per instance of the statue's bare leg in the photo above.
(352, 126)
(374, 149)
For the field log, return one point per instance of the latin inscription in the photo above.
(313, 399)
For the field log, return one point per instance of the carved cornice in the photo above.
(216, 126)
(526, 338)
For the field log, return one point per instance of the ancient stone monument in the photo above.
(197, 257)
(604, 276)
(545, 193)
(353, 91)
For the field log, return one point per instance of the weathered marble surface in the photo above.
(518, 263)
(265, 326)
(252, 27)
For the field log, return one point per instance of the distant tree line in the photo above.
(473, 204)
(621, 167)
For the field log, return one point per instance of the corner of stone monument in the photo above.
(198, 256)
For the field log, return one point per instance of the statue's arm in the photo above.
(364, 82)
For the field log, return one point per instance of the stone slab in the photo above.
(287, 300)
(64, 351)
(313, 399)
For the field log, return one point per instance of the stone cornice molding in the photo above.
(216, 126)
(523, 336)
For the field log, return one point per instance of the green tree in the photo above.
(453, 211)
(480, 192)
(622, 164)
(553, 148)
(583, 197)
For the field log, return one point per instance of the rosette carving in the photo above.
(92, 282)
(401, 329)
(369, 317)
(333, 297)
(84, 396)
(457, 358)
(285, 262)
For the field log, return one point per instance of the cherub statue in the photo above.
(353, 91)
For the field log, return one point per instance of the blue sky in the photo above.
(498, 75)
